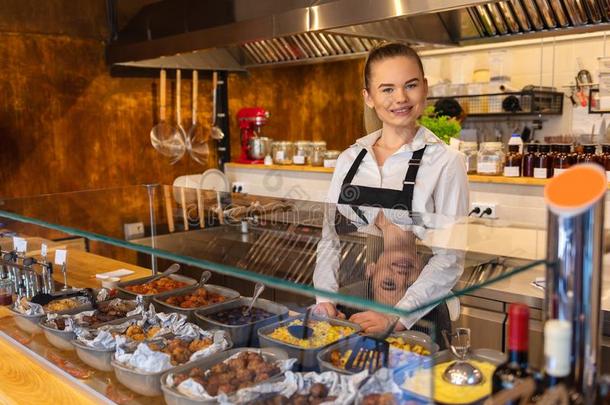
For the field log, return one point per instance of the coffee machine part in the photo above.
(282, 152)
(318, 149)
(251, 120)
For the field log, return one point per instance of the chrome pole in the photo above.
(573, 287)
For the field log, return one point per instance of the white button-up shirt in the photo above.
(441, 188)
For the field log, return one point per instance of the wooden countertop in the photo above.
(474, 178)
(26, 378)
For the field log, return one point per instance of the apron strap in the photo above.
(408, 185)
(354, 168)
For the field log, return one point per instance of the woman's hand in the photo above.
(328, 309)
(374, 322)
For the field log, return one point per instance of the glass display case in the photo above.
(433, 282)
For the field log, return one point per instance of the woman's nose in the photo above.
(402, 96)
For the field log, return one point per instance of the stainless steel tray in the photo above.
(63, 339)
(492, 356)
(31, 323)
(123, 293)
(408, 336)
(161, 305)
(306, 358)
(246, 334)
(97, 358)
(173, 397)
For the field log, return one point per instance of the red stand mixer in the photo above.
(253, 146)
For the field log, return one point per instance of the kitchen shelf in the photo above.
(509, 104)
(280, 249)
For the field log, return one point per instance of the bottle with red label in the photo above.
(516, 368)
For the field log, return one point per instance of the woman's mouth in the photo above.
(402, 111)
(388, 284)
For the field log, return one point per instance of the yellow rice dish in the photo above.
(446, 392)
(323, 333)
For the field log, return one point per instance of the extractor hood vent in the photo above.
(529, 16)
(240, 34)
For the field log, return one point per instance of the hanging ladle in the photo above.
(216, 131)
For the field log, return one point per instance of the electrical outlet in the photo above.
(486, 210)
(133, 230)
(238, 187)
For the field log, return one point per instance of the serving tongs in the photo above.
(44, 298)
(372, 351)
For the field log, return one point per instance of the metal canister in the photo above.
(283, 151)
(318, 148)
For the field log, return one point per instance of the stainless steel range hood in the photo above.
(240, 34)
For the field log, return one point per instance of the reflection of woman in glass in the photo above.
(404, 168)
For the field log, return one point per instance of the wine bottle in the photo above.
(516, 367)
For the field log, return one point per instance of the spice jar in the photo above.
(6, 291)
(543, 164)
(562, 160)
(283, 152)
(588, 155)
(330, 158)
(318, 148)
(302, 152)
(529, 160)
(490, 159)
(470, 151)
(512, 162)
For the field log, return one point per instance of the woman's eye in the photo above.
(387, 90)
(411, 86)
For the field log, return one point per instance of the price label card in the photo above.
(60, 257)
(43, 250)
(20, 244)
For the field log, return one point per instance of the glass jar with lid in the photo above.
(588, 154)
(604, 159)
(469, 149)
(302, 152)
(283, 152)
(330, 158)
(6, 291)
(562, 160)
(543, 164)
(318, 149)
(490, 159)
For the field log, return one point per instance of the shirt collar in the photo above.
(423, 137)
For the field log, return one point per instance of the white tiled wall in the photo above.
(557, 67)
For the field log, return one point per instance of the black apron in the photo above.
(356, 196)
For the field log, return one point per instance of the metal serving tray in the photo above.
(306, 358)
(31, 323)
(161, 305)
(412, 337)
(97, 358)
(173, 397)
(123, 293)
(146, 383)
(492, 356)
(62, 339)
(245, 334)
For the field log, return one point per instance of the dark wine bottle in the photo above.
(516, 367)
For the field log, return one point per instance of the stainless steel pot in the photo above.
(259, 147)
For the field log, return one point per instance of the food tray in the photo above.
(173, 397)
(409, 336)
(147, 383)
(492, 356)
(246, 334)
(31, 323)
(96, 357)
(306, 358)
(62, 339)
(123, 293)
(160, 305)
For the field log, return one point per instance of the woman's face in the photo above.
(397, 91)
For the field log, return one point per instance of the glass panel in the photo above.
(366, 257)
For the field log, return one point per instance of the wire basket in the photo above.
(509, 103)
